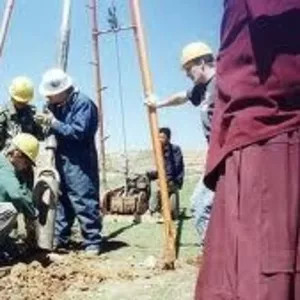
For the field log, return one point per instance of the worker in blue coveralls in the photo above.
(72, 117)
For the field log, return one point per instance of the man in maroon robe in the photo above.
(253, 240)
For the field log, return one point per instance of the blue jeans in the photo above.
(201, 204)
(85, 207)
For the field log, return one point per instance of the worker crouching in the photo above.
(174, 167)
(15, 196)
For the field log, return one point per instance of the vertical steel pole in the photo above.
(98, 86)
(170, 253)
(65, 32)
(5, 23)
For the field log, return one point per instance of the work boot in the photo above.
(61, 246)
(91, 251)
(71, 245)
(11, 250)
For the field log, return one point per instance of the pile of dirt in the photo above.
(33, 281)
(44, 279)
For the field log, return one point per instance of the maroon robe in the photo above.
(252, 251)
(258, 76)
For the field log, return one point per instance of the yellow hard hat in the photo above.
(194, 50)
(27, 144)
(21, 89)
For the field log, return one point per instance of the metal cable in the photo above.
(120, 88)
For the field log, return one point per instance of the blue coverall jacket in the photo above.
(76, 160)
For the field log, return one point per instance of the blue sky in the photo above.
(31, 48)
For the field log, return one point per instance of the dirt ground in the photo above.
(130, 266)
(126, 270)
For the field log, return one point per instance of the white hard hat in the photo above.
(55, 81)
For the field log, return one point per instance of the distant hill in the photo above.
(142, 161)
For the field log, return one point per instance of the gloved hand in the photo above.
(46, 118)
(151, 101)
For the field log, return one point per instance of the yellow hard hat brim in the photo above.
(21, 100)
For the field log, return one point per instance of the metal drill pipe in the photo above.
(65, 32)
(5, 23)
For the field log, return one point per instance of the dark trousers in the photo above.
(83, 206)
(155, 201)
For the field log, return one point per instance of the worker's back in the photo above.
(11, 190)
